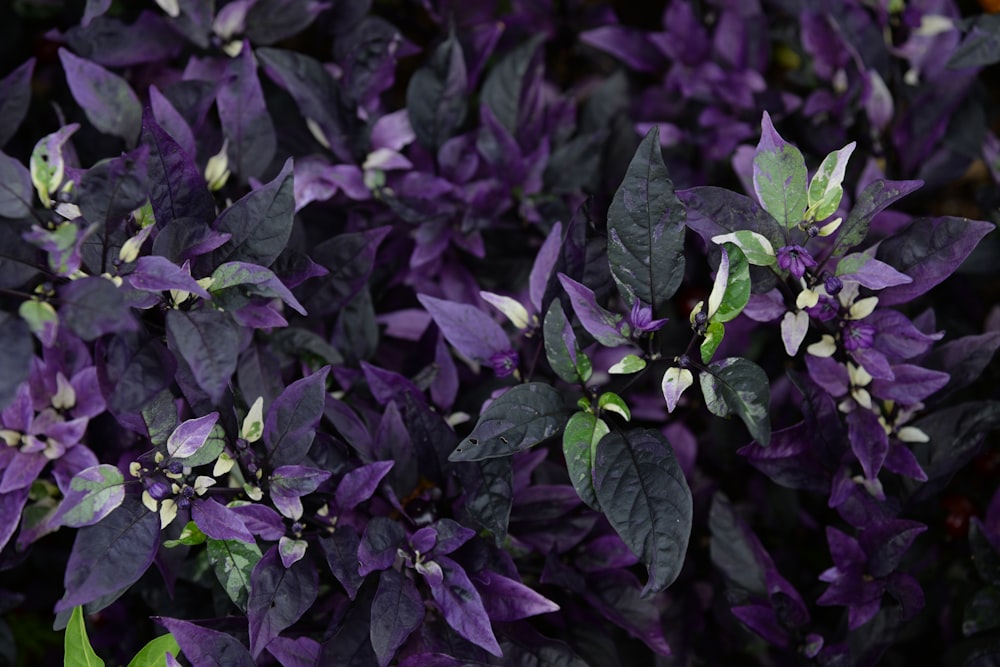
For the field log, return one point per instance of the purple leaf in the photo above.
(963, 358)
(870, 272)
(106, 98)
(209, 342)
(172, 121)
(350, 259)
(207, 648)
(886, 543)
(790, 460)
(628, 45)
(177, 188)
(11, 506)
(270, 21)
(111, 554)
(541, 270)
(461, 605)
(877, 196)
(291, 421)
(245, 120)
(359, 484)
(450, 535)
(291, 482)
(910, 384)
(218, 521)
(712, 211)
(397, 610)
(94, 493)
(868, 440)
(232, 274)
(15, 98)
(260, 520)
(508, 600)
(278, 597)
(112, 189)
(928, 250)
(379, 544)
(341, 551)
(158, 274)
(298, 652)
(260, 223)
(897, 337)
(599, 323)
(92, 307)
(469, 330)
(16, 192)
(436, 97)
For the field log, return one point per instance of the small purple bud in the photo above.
(684, 360)
(159, 487)
(187, 492)
(812, 231)
(252, 467)
(504, 363)
(241, 444)
(183, 503)
(825, 309)
(857, 336)
(700, 317)
(833, 285)
(795, 259)
(297, 528)
(175, 467)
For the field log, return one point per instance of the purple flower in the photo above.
(825, 309)
(857, 336)
(641, 319)
(504, 363)
(795, 259)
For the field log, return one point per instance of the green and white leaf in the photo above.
(583, 431)
(630, 363)
(714, 333)
(233, 561)
(736, 292)
(612, 402)
(756, 248)
(739, 386)
(825, 189)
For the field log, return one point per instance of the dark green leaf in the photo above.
(646, 230)
(561, 349)
(739, 386)
(16, 352)
(983, 611)
(643, 493)
(233, 561)
(209, 341)
(519, 419)
(505, 86)
(436, 96)
(260, 223)
(489, 493)
(985, 556)
(583, 431)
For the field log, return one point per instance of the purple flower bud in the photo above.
(297, 528)
(187, 492)
(795, 259)
(175, 467)
(158, 486)
(833, 285)
(504, 363)
(857, 336)
(183, 503)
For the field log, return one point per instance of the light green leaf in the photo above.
(825, 191)
(757, 249)
(38, 314)
(779, 176)
(78, 651)
(629, 364)
(714, 333)
(190, 536)
(612, 402)
(233, 561)
(583, 431)
(737, 289)
(154, 654)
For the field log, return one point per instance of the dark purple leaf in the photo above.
(298, 652)
(158, 274)
(194, 21)
(270, 21)
(171, 120)
(207, 648)
(246, 122)
(106, 98)
(488, 494)
(360, 484)
(615, 595)
(379, 544)
(910, 384)
(461, 605)
(646, 230)
(790, 459)
(928, 250)
(524, 416)
(603, 325)
(15, 97)
(177, 189)
(712, 211)
(963, 358)
(349, 643)
(317, 94)
(735, 550)
(135, 372)
(92, 307)
(872, 273)
(112, 189)
(291, 421)
(11, 506)
(218, 521)
(868, 440)
(511, 90)
(645, 497)
(350, 259)
(111, 554)
(886, 544)
(289, 483)
(397, 610)
(508, 600)
(628, 45)
(469, 330)
(260, 520)
(16, 353)
(279, 597)
(259, 223)
(261, 280)
(209, 342)
(367, 55)
(436, 96)
(16, 191)
(341, 551)
(954, 436)
(897, 336)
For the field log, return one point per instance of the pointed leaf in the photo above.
(218, 521)
(876, 197)
(154, 653)
(509, 600)
(469, 330)
(233, 561)
(246, 123)
(737, 286)
(107, 99)
(93, 494)
(112, 189)
(646, 230)
(643, 493)
(583, 431)
(176, 187)
(397, 610)
(207, 648)
(190, 435)
(521, 418)
(561, 348)
(77, 648)
(15, 98)
(209, 341)
(436, 97)
(16, 192)
(756, 248)
(779, 176)
(545, 261)
(603, 325)
(292, 419)
(259, 223)
(825, 189)
(16, 352)
(462, 606)
(714, 333)
(675, 381)
(349, 258)
(278, 597)
(232, 274)
(739, 386)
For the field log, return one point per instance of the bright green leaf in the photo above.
(713, 336)
(737, 289)
(825, 190)
(154, 653)
(38, 314)
(779, 176)
(612, 402)
(561, 348)
(78, 651)
(757, 249)
(190, 536)
(583, 431)
(629, 364)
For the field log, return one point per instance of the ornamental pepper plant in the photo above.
(427, 333)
